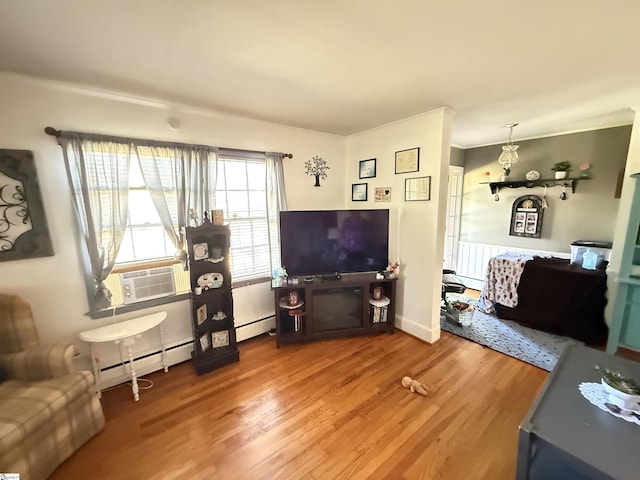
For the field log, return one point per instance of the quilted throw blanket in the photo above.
(502, 280)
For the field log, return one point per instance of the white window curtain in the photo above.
(179, 179)
(276, 202)
(98, 174)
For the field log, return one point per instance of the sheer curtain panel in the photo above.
(98, 174)
(179, 179)
(276, 202)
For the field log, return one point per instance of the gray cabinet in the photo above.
(565, 437)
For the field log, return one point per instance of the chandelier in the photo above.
(509, 154)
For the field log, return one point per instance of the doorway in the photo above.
(454, 207)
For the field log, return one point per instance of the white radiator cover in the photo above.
(473, 258)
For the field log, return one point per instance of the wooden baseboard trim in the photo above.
(628, 353)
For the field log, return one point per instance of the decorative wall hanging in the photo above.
(382, 194)
(417, 189)
(316, 167)
(526, 217)
(367, 168)
(408, 161)
(359, 192)
(23, 226)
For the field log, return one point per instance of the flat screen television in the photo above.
(325, 242)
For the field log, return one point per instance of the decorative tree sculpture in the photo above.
(317, 167)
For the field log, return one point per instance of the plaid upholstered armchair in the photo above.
(47, 410)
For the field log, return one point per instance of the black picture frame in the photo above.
(526, 217)
(408, 161)
(359, 192)
(417, 189)
(367, 168)
(21, 202)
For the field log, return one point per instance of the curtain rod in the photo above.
(58, 133)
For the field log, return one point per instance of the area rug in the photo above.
(532, 346)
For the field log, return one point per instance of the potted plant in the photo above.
(561, 169)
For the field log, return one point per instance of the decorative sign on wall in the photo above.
(23, 226)
(526, 217)
(382, 194)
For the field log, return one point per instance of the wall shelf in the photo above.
(566, 182)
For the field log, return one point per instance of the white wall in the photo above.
(54, 285)
(416, 228)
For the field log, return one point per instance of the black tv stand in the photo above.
(330, 276)
(356, 304)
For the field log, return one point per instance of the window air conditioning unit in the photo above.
(147, 284)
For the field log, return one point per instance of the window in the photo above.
(145, 238)
(134, 218)
(240, 191)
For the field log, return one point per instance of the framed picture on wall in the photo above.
(367, 168)
(526, 217)
(23, 226)
(417, 189)
(408, 161)
(359, 192)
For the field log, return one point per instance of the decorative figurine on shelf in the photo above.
(193, 216)
(377, 293)
(585, 170)
(292, 298)
(280, 273)
(392, 270)
(414, 386)
(316, 167)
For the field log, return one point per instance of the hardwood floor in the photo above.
(324, 410)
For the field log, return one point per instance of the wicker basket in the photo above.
(464, 317)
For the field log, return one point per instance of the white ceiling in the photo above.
(343, 66)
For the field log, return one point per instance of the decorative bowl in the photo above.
(621, 399)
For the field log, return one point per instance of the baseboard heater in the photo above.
(147, 355)
(149, 362)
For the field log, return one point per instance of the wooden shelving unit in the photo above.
(214, 333)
